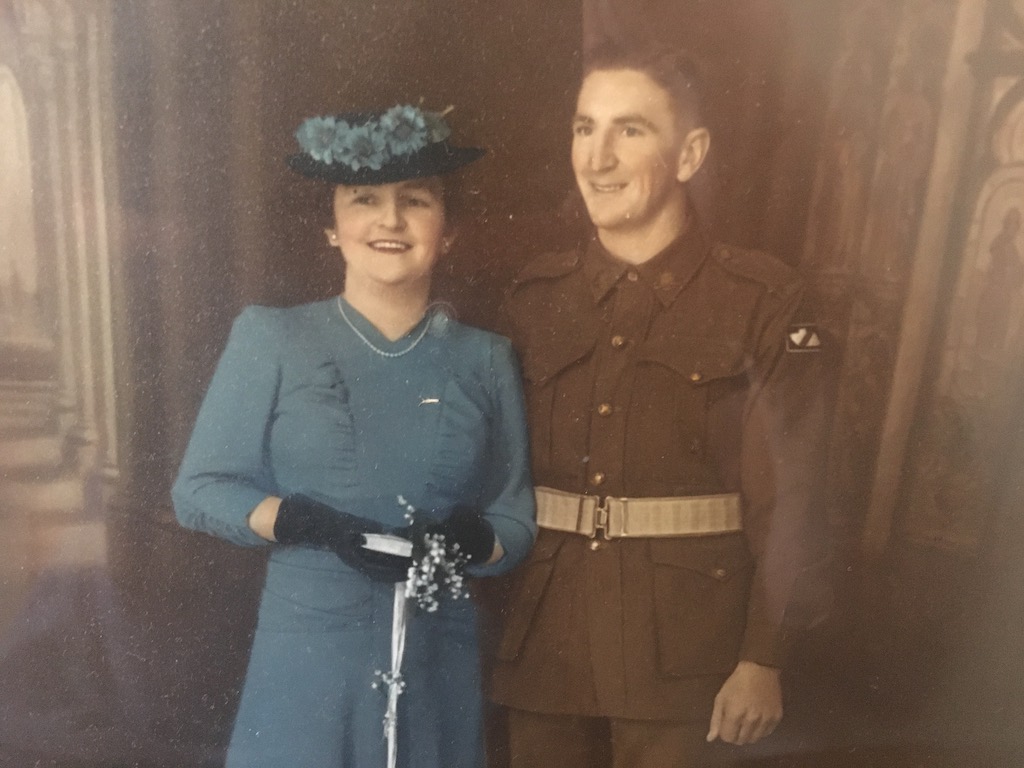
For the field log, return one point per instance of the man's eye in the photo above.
(632, 130)
(582, 130)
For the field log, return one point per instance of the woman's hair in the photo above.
(451, 197)
(677, 71)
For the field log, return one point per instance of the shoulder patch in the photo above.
(758, 266)
(803, 337)
(548, 265)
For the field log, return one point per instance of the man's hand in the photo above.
(749, 705)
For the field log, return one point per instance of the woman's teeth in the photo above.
(390, 246)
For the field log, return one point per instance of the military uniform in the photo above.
(694, 373)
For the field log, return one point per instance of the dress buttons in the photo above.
(618, 341)
(597, 478)
(632, 275)
(595, 545)
(696, 376)
(605, 409)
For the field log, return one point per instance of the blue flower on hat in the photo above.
(317, 137)
(362, 146)
(405, 128)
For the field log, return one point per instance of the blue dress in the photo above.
(299, 404)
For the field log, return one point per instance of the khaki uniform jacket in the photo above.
(694, 373)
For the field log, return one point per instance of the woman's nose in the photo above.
(392, 216)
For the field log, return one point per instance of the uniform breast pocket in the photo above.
(314, 425)
(701, 586)
(673, 414)
(556, 373)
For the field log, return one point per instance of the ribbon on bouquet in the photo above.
(394, 679)
(437, 572)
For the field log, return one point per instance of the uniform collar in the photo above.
(667, 272)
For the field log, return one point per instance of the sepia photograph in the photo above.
(460, 384)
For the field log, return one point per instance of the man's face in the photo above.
(626, 150)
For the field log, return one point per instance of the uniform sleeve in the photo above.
(509, 504)
(225, 471)
(782, 466)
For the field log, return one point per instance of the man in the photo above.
(675, 427)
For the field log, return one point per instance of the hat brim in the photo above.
(434, 159)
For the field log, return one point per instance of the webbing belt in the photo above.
(617, 518)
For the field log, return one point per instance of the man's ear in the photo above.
(692, 154)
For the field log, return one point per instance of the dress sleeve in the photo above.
(509, 504)
(225, 472)
(782, 464)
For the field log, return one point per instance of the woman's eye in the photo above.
(632, 130)
(363, 200)
(582, 130)
(418, 202)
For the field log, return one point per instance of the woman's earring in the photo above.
(332, 237)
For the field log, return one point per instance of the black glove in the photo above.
(306, 522)
(466, 528)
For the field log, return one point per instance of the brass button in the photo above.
(618, 341)
(632, 275)
(597, 478)
(720, 573)
(605, 409)
(696, 376)
(595, 545)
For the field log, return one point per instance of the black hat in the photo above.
(402, 143)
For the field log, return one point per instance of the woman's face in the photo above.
(389, 234)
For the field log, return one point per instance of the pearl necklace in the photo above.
(374, 347)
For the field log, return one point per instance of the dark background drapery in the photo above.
(875, 145)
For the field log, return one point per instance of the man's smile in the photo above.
(602, 188)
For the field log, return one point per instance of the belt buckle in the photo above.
(601, 518)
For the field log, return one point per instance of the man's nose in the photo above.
(602, 155)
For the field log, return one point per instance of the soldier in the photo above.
(676, 418)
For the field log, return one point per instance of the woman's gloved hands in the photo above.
(306, 522)
(466, 528)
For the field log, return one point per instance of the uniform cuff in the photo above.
(766, 645)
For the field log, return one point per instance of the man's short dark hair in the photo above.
(677, 71)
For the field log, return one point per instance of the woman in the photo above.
(318, 419)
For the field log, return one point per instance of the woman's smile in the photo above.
(389, 246)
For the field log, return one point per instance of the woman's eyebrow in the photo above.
(417, 184)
